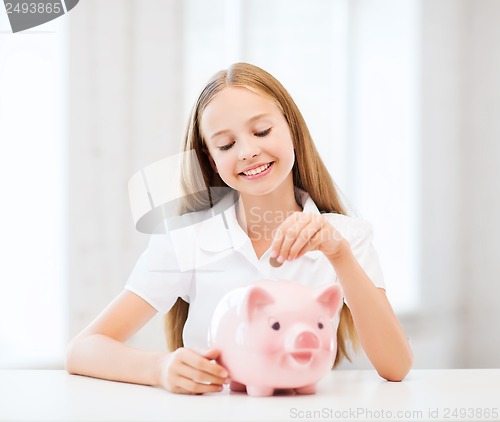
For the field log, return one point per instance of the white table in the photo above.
(425, 395)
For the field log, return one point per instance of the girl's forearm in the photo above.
(99, 356)
(379, 331)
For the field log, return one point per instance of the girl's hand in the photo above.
(303, 232)
(186, 372)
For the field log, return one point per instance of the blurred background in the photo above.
(402, 98)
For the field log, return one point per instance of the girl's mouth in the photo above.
(258, 171)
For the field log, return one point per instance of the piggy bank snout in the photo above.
(304, 349)
(306, 340)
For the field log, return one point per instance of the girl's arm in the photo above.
(379, 330)
(100, 351)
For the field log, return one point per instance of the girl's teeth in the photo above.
(258, 170)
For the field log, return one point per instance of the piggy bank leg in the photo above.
(238, 387)
(307, 389)
(252, 390)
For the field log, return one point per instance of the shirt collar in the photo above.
(222, 231)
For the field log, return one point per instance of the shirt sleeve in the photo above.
(362, 248)
(359, 233)
(157, 277)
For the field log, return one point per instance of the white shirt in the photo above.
(205, 254)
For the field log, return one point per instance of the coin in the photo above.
(274, 263)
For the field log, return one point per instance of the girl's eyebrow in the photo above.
(250, 120)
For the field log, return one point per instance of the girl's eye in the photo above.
(226, 147)
(263, 133)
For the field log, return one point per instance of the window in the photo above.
(352, 69)
(32, 177)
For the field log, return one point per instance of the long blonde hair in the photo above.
(309, 174)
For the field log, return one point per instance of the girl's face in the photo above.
(248, 141)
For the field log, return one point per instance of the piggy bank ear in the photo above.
(330, 297)
(256, 299)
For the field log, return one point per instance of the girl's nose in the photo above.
(249, 148)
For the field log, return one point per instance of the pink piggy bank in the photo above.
(276, 334)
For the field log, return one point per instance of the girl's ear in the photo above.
(210, 159)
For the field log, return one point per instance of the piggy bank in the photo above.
(276, 334)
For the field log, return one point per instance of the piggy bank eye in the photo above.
(320, 325)
(274, 324)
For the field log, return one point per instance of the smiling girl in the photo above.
(280, 205)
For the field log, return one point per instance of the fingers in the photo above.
(211, 354)
(204, 365)
(294, 236)
(188, 386)
(313, 244)
(301, 233)
(187, 372)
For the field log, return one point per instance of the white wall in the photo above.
(436, 333)
(480, 175)
(460, 157)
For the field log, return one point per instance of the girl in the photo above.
(271, 200)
